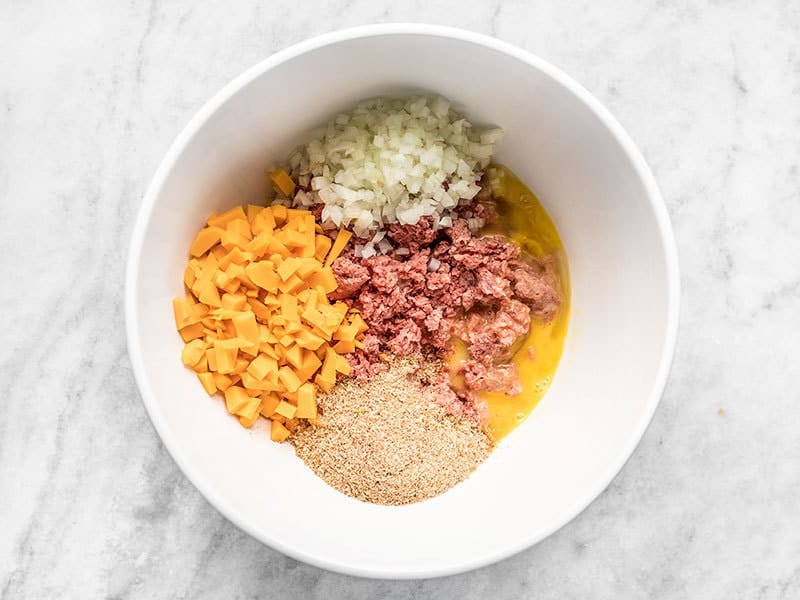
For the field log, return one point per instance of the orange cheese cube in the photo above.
(235, 256)
(232, 287)
(268, 349)
(209, 294)
(236, 399)
(280, 213)
(193, 352)
(287, 268)
(191, 332)
(234, 301)
(295, 218)
(278, 433)
(241, 365)
(289, 379)
(263, 275)
(263, 221)
(283, 182)
(247, 328)
(342, 237)
(322, 245)
(223, 382)
(182, 311)
(306, 402)
(260, 243)
(237, 212)
(226, 357)
(207, 381)
(324, 278)
(232, 238)
(345, 346)
(248, 422)
(211, 358)
(286, 409)
(250, 410)
(240, 227)
(294, 356)
(261, 366)
(294, 239)
(269, 402)
(206, 239)
(217, 252)
(276, 246)
(328, 370)
(258, 386)
(252, 211)
(294, 327)
(324, 383)
(310, 364)
(346, 331)
(289, 306)
(292, 285)
(342, 366)
(189, 277)
(313, 317)
(261, 312)
(306, 267)
(202, 365)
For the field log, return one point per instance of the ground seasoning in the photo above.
(387, 441)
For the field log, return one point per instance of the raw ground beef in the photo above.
(445, 283)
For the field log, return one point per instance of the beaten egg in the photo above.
(524, 219)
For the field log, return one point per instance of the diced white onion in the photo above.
(384, 246)
(368, 251)
(387, 161)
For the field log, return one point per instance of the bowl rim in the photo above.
(657, 205)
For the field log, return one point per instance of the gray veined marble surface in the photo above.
(91, 95)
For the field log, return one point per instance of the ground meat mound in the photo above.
(437, 284)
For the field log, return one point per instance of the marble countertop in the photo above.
(92, 94)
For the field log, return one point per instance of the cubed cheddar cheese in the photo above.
(193, 352)
(250, 410)
(206, 239)
(324, 278)
(311, 364)
(345, 346)
(252, 211)
(236, 399)
(269, 402)
(338, 245)
(237, 212)
(263, 275)
(262, 366)
(283, 182)
(207, 381)
(191, 332)
(263, 221)
(288, 377)
(278, 433)
(257, 322)
(306, 402)
(248, 422)
(222, 381)
(322, 245)
(286, 409)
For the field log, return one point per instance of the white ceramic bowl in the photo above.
(624, 274)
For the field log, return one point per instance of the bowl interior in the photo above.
(623, 303)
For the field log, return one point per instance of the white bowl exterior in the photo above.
(623, 272)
